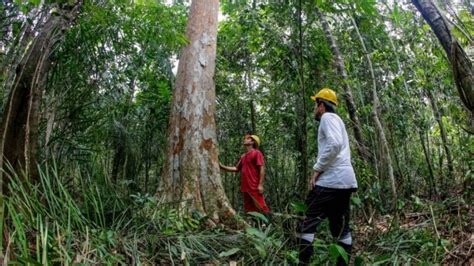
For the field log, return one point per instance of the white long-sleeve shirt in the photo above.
(334, 154)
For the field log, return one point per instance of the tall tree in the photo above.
(349, 99)
(460, 62)
(376, 117)
(191, 176)
(19, 128)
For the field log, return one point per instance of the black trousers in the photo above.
(323, 203)
(329, 203)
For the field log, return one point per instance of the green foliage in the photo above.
(336, 251)
(122, 72)
(107, 106)
(408, 246)
(66, 226)
(143, 229)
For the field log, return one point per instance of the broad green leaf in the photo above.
(229, 252)
(259, 216)
(24, 9)
(292, 255)
(35, 2)
(356, 201)
(299, 206)
(261, 250)
(335, 251)
(255, 232)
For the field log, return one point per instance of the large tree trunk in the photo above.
(378, 125)
(191, 176)
(19, 128)
(349, 99)
(26, 82)
(460, 62)
(13, 55)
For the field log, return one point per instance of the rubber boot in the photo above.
(306, 251)
(340, 259)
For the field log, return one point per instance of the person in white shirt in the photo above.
(332, 182)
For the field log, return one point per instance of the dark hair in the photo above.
(330, 107)
(255, 145)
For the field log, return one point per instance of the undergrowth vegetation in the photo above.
(75, 220)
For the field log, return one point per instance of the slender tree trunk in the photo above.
(121, 166)
(406, 158)
(191, 177)
(148, 162)
(407, 90)
(349, 99)
(460, 62)
(119, 144)
(397, 158)
(444, 136)
(19, 128)
(440, 164)
(399, 66)
(253, 120)
(375, 115)
(459, 24)
(302, 139)
(430, 154)
(428, 163)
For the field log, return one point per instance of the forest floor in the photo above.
(454, 239)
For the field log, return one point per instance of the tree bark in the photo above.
(13, 55)
(375, 115)
(191, 177)
(349, 99)
(19, 128)
(460, 62)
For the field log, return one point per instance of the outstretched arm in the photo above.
(228, 168)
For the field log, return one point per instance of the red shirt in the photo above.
(248, 166)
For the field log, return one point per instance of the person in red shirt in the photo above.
(251, 168)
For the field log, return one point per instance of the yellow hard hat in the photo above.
(256, 138)
(325, 94)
